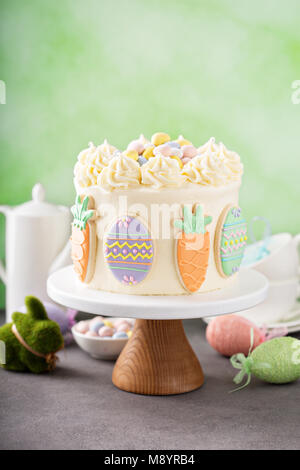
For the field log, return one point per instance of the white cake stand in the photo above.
(158, 359)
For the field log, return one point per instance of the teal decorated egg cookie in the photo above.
(129, 250)
(230, 240)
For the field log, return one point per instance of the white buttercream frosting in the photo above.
(122, 172)
(105, 166)
(214, 165)
(90, 163)
(162, 171)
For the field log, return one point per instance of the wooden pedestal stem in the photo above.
(158, 360)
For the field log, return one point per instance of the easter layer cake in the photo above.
(160, 218)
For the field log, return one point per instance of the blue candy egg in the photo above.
(95, 327)
(121, 334)
(174, 144)
(142, 160)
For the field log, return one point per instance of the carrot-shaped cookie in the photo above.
(83, 239)
(192, 248)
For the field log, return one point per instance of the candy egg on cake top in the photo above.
(160, 138)
(139, 144)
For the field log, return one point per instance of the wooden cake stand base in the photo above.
(158, 359)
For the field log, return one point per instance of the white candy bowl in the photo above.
(106, 348)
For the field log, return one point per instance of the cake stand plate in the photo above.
(158, 359)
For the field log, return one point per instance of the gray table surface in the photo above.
(77, 407)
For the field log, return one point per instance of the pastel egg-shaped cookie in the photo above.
(129, 250)
(230, 240)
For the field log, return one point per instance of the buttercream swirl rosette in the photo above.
(157, 164)
(162, 171)
(90, 163)
(214, 165)
(122, 172)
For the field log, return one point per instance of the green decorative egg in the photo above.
(230, 240)
(275, 361)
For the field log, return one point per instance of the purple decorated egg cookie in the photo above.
(128, 250)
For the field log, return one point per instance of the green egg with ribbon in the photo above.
(276, 361)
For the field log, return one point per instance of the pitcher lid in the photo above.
(38, 206)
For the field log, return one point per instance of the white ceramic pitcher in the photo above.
(37, 243)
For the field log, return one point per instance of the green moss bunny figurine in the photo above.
(31, 340)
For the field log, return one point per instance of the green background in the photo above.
(81, 70)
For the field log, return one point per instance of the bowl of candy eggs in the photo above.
(103, 338)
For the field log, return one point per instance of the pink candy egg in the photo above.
(82, 327)
(231, 334)
(96, 320)
(106, 331)
(125, 326)
(137, 146)
(91, 334)
(186, 160)
(118, 322)
(189, 151)
(164, 149)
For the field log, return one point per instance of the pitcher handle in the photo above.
(4, 210)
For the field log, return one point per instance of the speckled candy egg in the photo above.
(185, 160)
(120, 334)
(189, 151)
(160, 138)
(230, 240)
(136, 145)
(164, 149)
(133, 154)
(125, 326)
(95, 327)
(142, 160)
(175, 144)
(92, 334)
(119, 321)
(82, 327)
(96, 320)
(129, 250)
(231, 334)
(106, 331)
